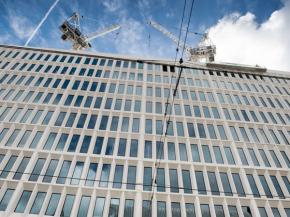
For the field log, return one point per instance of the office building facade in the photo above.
(82, 134)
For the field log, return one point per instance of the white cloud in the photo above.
(240, 39)
(20, 25)
(112, 5)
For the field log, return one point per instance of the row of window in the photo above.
(120, 89)
(132, 124)
(173, 180)
(128, 64)
(128, 124)
(42, 202)
(157, 107)
(121, 147)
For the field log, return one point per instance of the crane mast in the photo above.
(71, 30)
(204, 50)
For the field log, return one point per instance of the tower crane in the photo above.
(72, 31)
(204, 50)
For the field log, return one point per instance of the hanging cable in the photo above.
(167, 123)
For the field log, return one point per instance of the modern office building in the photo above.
(81, 134)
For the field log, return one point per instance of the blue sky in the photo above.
(224, 19)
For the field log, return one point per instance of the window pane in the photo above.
(175, 209)
(90, 181)
(195, 153)
(226, 184)
(114, 208)
(6, 199)
(200, 182)
(173, 180)
(118, 175)
(253, 185)
(186, 181)
(37, 169)
(233, 211)
(67, 206)
(147, 179)
(63, 172)
(160, 180)
(52, 205)
(213, 183)
(37, 204)
(75, 180)
(99, 207)
(238, 184)
(105, 175)
(205, 212)
(131, 179)
(129, 208)
(206, 154)
(84, 206)
(20, 169)
(50, 171)
(190, 211)
(146, 208)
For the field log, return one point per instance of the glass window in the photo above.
(114, 207)
(73, 143)
(186, 181)
(219, 211)
(253, 157)
(160, 179)
(6, 199)
(52, 205)
(37, 204)
(226, 184)
(201, 130)
(218, 154)
(189, 209)
(190, 129)
(63, 172)
(206, 154)
(134, 148)
(118, 176)
(159, 150)
(50, 171)
(92, 122)
(148, 149)
(146, 208)
(238, 184)
(242, 156)
(147, 179)
(161, 209)
(99, 207)
(98, 145)
(175, 209)
(110, 146)
(84, 206)
(90, 180)
(233, 211)
(262, 211)
(22, 203)
(105, 175)
(195, 153)
(131, 179)
(200, 182)
(264, 157)
(213, 183)
(67, 206)
(37, 169)
(265, 186)
(229, 155)
(277, 187)
(275, 159)
(276, 212)
(75, 180)
(205, 211)
(129, 208)
(246, 211)
(253, 185)
(171, 150)
(173, 180)
(8, 167)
